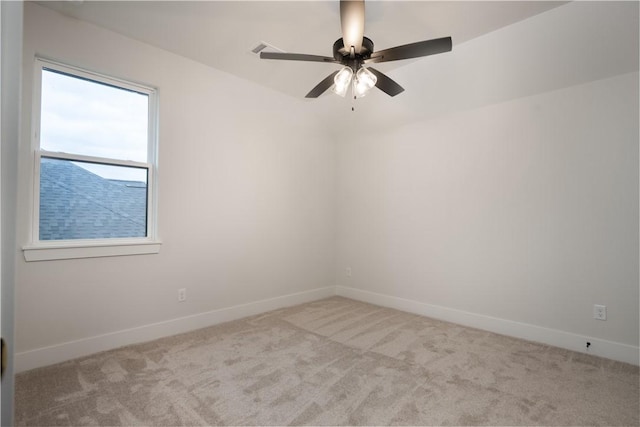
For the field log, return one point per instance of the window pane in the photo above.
(80, 200)
(89, 118)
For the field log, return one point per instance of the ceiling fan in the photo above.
(354, 50)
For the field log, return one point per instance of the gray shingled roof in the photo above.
(78, 204)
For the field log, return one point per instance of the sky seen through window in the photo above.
(90, 118)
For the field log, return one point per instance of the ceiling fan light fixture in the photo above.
(342, 80)
(364, 81)
(353, 50)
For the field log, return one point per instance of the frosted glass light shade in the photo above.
(363, 82)
(342, 80)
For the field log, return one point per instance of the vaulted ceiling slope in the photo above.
(221, 34)
(574, 44)
(501, 50)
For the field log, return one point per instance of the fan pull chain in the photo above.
(353, 108)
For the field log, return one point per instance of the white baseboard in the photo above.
(603, 348)
(70, 350)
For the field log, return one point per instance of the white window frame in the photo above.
(44, 250)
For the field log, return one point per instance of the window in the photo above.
(95, 146)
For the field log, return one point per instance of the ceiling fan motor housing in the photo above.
(340, 53)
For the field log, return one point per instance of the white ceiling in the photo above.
(221, 34)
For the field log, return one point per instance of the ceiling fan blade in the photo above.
(386, 84)
(322, 86)
(352, 21)
(297, 57)
(412, 50)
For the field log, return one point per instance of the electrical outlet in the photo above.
(182, 294)
(600, 312)
(348, 271)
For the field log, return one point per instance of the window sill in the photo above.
(57, 251)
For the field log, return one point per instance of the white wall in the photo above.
(246, 211)
(526, 210)
(11, 51)
(518, 201)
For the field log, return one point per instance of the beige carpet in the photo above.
(332, 362)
